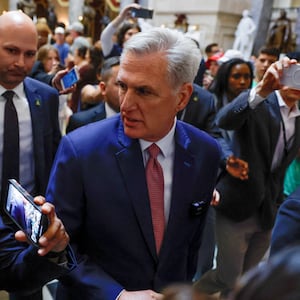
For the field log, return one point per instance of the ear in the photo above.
(183, 96)
(102, 86)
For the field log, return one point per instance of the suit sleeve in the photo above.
(286, 231)
(66, 192)
(21, 268)
(214, 130)
(233, 115)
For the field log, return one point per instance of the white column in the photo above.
(13, 4)
(75, 10)
(143, 3)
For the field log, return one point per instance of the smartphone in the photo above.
(70, 78)
(142, 13)
(291, 76)
(22, 210)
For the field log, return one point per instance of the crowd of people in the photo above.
(162, 172)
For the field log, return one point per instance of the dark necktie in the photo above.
(155, 182)
(11, 148)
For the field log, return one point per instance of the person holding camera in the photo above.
(122, 29)
(266, 134)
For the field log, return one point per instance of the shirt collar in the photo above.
(109, 111)
(164, 144)
(291, 112)
(19, 90)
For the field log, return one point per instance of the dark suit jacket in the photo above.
(43, 102)
(255, 136)
(201, 113)
(15, 274)
(99, 188)
(286, 230)
(84, 117)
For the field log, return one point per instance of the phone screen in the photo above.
(24, 213)
(70, 78)
(141, 13)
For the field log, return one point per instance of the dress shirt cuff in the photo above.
(254, 99)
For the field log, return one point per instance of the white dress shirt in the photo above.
(25, 133)
(288, 117)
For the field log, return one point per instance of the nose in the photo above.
(20, 61)
(127, 100)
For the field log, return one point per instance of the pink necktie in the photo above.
(155, 182)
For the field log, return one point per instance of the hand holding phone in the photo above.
(70, 78)
(22, 210)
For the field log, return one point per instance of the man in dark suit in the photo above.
(110, 92)
(266, 134)
(286, 231)
(36, 113)
(100, 177)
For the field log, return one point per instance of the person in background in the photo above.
(43, 31)
(90, 92)
(276, 279)
(210, 50)
(246, 210)
(48, 64)
(233, 77)
(292, 177)
(110, 93)
(88, 60)
(125, 31)
(266, 57)
(61, 45)
(212, 67)
(104, 169)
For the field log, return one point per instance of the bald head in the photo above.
(18, 46)
(17, 20)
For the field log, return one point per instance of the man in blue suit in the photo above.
(36, 106)
(99, 186)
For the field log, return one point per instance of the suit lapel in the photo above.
(182, 181)
(35, 104)
(132, 168)
(274, 110)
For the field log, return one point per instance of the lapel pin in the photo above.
(37, 102)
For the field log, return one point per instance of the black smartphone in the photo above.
(70, 78)
(142, 13)
(22, 210)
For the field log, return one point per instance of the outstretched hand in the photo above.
(237, 167)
